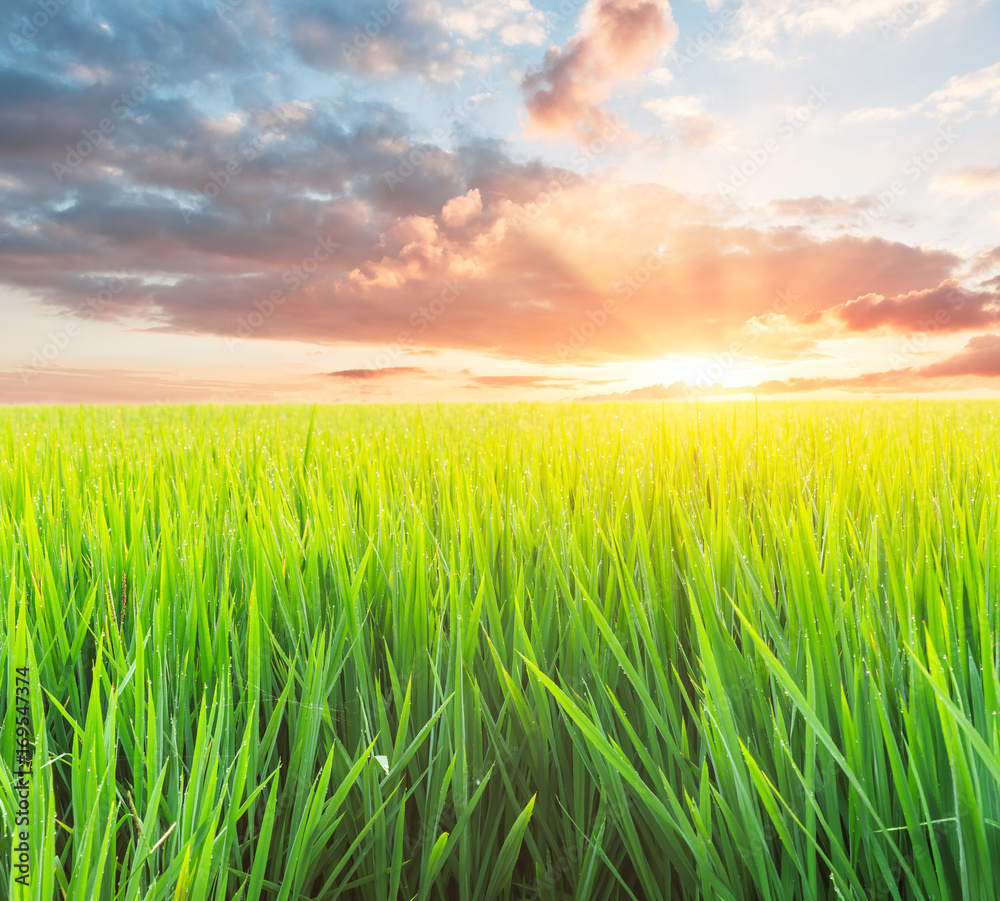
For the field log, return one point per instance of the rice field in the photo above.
(647, 651)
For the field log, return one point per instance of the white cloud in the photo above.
(764, 26)
(687, 118)
(954, 101)
(875, 114)
(969, 182)
(229, 124)
(515, 21)
(662, 76)
(961, 90)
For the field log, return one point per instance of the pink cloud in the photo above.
(946, 308)
(617, 40)
(368, 374)
(979, 357)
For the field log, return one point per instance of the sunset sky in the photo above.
(498, 199)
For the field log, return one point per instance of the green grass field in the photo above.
(492, 652)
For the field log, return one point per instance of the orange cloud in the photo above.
(970, 181)
(367, 374)
(519, 381)
(460, 210)
(638, 271)
(973, 367)
(818, 207)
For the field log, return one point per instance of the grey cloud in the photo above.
(381, 38)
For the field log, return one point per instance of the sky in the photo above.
(420, 200)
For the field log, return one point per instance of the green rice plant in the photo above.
(638, 651)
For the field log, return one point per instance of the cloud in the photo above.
(246, 196)
(961, 91)
(65, 385)
(617, 40)
(531, 278)
(876, 114)
(519, 381)
(947, 308)
(986, 267)
(188, 37)
(679, 390)
(818, 207)
(979, 357)
(959, 98)
(459, 211)
(979, 360)
(766, 26)
(368, 374)
(208, 215)
(687, 119)
(472, 251)
(515, 22)
(968, 182)
(379, 38)
(659, 391)
(889, 380)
